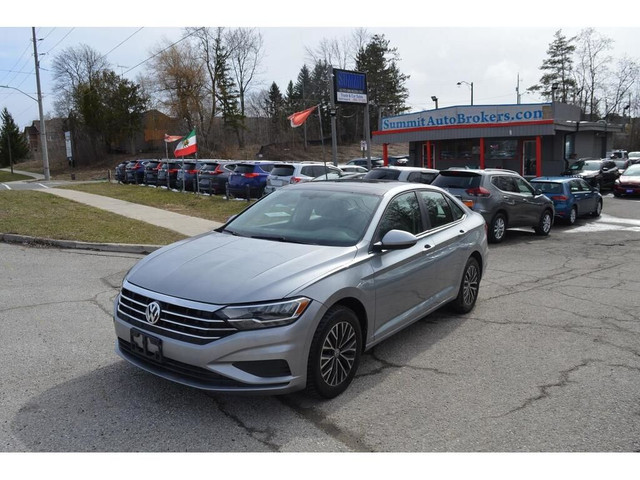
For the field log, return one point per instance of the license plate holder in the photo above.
(629, 190)
(147, 345)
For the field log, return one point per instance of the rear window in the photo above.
(383, 174)
(457, 180)
(548, 187)
(244, 169)
(283, 170)
(152, 165)
(208, 167)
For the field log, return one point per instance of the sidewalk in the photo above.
(183, 224)
(177, 222)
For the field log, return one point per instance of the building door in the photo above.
(529, 158)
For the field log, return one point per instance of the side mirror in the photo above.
(395, 240)
(538, 191)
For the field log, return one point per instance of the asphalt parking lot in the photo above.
(548, 361)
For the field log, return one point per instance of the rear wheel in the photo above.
(544, 226)
(498, 228)
(335, 353)
(468, 293)
(571, 219)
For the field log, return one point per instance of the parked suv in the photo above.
(135, 171)
(249, 178)
(213, 178)
(598, 173)
(150, 176)
(402, 174)
(167, 174)
(504, 198)
(286, 173)
(186, 176)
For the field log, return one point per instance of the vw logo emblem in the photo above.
(152, 313)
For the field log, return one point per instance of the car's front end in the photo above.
(628, 183)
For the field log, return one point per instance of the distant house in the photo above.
(55, 128)
(150, 138)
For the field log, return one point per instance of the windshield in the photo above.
(309, 216)
(632, 171)
(585, 165)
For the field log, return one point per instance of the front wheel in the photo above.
(544, 226)
(598, 210)
(468, 292)
(335, 353)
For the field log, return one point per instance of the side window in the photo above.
(402, 213)
(584, 186)
(414, 177)
(522, 186)
(504, 183)
(574, 186)
(438, 209)
(456, 211)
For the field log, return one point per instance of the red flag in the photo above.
(299, 118)
(172, 138)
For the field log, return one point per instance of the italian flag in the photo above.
(187, 145)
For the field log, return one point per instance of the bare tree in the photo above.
(245, 46)
(339, 53)
(620, 85)
(592, 69)
(180, 83)
(72, 67)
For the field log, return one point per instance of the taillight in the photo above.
(468, 203)
(173, 170)
(192, 171)
(295, 180)
(560, 198)
(251, 175)
(478, 192)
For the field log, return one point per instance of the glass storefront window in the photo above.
(501, 153)
(458, 153)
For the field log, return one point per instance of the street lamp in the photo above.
(435, 99)
(43, 135)
(468, 84)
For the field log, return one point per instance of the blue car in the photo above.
(572, 196)
(248, 179)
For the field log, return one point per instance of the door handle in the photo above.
(427, 246)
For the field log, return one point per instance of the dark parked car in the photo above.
(150, 176)
(402, 174)
(120, 172)
(504, 198)
(249, 178)
(598, 173)
(187, 175)
(135, 171)
(291, 292)
(167, 174)
(572, 197)
(362, 162)
(213, 177)
(629, 182)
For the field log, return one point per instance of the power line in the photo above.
(165, 49)
(60, 41)
(122, 42)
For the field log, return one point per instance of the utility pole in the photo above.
(518, 96)
(43, 128)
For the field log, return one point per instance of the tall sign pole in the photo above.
(43, 127)
(332, 113)
(351, 87)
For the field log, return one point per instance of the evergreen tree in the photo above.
(558, 68)
(13, 145)
(386, 84)
(274, 108)
(226, 92)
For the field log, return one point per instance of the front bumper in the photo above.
(270, 361)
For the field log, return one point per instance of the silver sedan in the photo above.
(288, 294)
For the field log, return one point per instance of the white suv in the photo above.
(286, 173)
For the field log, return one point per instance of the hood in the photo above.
(222, 269)
(633, 180)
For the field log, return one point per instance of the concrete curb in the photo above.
(102, 247)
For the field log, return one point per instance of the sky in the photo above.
(490, 44)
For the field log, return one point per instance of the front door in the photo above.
(529, 158)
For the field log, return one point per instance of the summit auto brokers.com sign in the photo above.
(482, 115)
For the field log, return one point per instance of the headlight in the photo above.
(264, 315)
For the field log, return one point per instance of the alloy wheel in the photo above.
(338, 354)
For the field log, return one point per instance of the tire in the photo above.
(469, 286)
(598, 210)
(335, 352)
(573, 215)
(497, 228)
(544, 226)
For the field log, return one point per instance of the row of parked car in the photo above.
(504, 198)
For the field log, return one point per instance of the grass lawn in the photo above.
(12, 177)
(39, 214)
(213, 207)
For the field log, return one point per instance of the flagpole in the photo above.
(321, 136)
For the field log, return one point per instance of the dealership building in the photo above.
(531, 139)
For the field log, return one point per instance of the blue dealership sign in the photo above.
(349, 86)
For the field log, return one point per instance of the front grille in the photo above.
(200, 375)
(176, 321)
